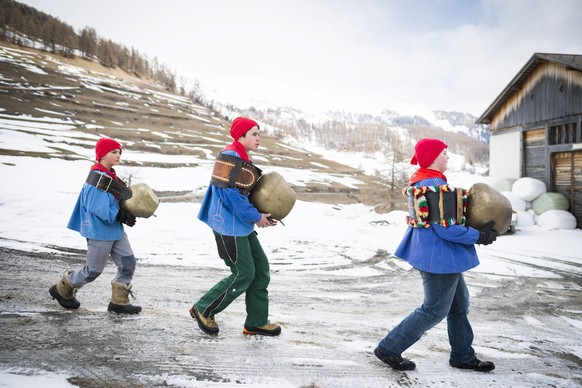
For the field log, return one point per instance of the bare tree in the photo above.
(123, 58)
(66, 40)
(106, 53)
(88, 42)
(136, 62)
(49, 35)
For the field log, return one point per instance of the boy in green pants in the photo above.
(228, 212)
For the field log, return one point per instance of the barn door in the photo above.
(567, 174)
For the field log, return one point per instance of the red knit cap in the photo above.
(240, 126)
(426, 151)
(104, 146)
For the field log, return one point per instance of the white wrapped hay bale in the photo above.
(557, 219)
(525, 219)
(550, 201)
(528, 189)
(500, 184)
(516, 202)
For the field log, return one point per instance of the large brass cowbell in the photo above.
(484, 203)
(273, 195)
(143, 203)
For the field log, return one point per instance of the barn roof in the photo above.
(570, 61)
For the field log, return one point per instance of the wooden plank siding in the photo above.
(568, 180)
(534, 148)
(550, 92)
(549, 99)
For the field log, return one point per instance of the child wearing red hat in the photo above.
(227, 211)
(98, 217)
(441, 253)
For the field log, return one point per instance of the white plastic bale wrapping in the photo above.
(273, 195)
(528, 188)
(550, 201)
(143, 202)
(557, 219)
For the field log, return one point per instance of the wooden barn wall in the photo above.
(550, 92)
(567, 173)
(534, 154)
(550, 97)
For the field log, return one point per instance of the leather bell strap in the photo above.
(233, 172)
(106, 183)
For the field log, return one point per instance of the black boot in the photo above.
(121, 309)
(65, 293)
(120, 299)
(476, 365)
(396, 362)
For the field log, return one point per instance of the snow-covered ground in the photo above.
(37, 196)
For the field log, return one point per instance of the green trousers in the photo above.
(250, 274)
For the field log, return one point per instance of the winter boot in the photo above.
(120, 299)
(267, 329)
(206, 324)
(476, 365)
(396, 362)
(65, 293)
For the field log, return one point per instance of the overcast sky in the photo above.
(360, 55)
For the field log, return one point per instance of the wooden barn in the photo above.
(536, 126)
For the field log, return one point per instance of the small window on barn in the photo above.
(565, 134)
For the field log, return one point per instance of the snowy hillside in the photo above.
(388, 134)
(64, 104)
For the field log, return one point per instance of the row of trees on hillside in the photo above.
(473, 150)
(369, 136)
(23, 25)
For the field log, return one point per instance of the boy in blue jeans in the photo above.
(441, 251)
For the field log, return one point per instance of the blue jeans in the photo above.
(445, 295)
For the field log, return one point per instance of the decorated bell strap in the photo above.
(106, 183)
(233, 172)
(442, 204)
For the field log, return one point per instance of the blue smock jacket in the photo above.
(94, 215)
(439, 249)
(227, 211)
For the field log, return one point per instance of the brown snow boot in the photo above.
(206, 324)
(120, 299)
(64, 292)
(269, 328)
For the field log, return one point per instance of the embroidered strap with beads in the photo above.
(442, 204)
